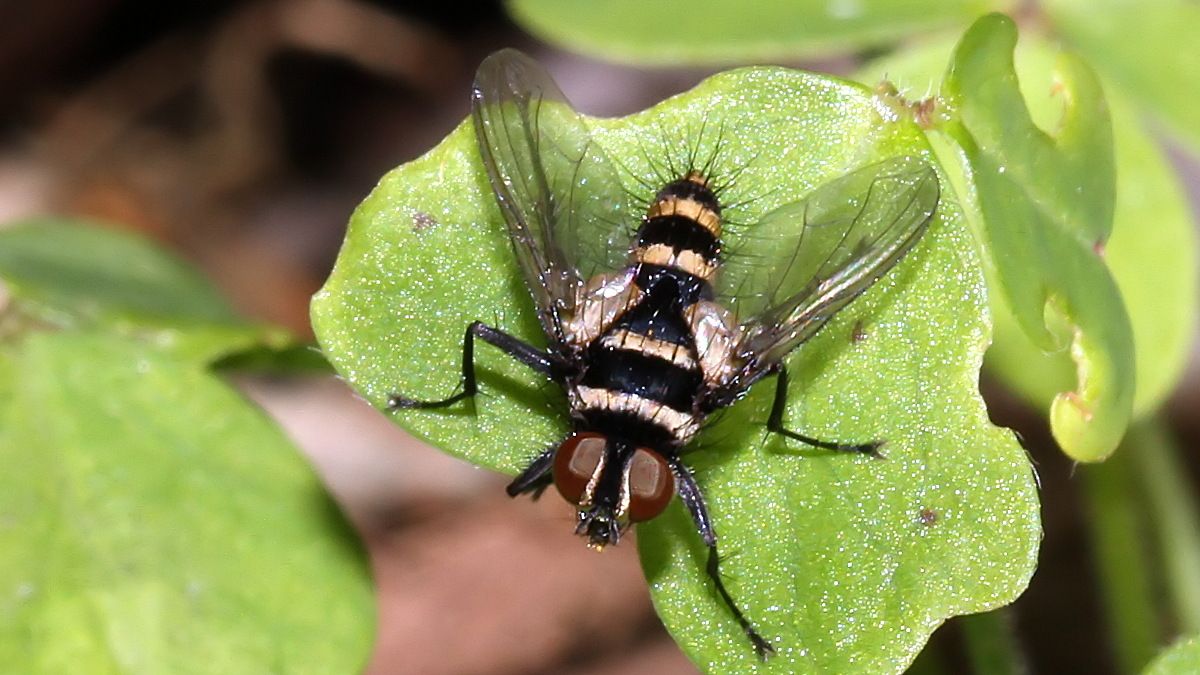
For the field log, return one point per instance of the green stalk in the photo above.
(991, 645)
(1118, 546)
(1174, 517)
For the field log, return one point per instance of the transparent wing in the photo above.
(822, 252)
(560, 195)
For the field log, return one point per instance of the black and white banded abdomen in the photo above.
(652, 338)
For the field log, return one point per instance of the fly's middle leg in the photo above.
(529, 355)
(775, 424)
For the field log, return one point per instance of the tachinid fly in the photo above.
(650, 331)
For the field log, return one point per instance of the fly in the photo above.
(652, 331)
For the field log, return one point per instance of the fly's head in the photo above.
(613, 484)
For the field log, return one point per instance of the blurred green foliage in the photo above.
(153, 519)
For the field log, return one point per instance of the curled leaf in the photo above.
(1047, 207)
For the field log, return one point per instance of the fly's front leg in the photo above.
(535, 478)
(541, 361)
(689, 492)
(775, 424)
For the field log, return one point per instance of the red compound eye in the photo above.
(651, 485)
(577, 459)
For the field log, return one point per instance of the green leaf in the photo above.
(71, 271)
(1151, 254)
(990, 641)
(1173, 512)
(1182, 658)
(1124, 565)
(62, 273)
(713, 32)
(153, 521)
(1047, 207)
(291, 358)
(1147, 50)
(845, 563)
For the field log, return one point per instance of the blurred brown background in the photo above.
(241, 135)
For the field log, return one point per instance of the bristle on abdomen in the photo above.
(682, 228)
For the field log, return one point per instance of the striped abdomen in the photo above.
(644, 372)
(682, 229)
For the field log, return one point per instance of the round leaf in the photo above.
(64, 273)
(844, 563)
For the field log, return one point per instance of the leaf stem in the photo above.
(1173, 515)
(1122, 561)
(991, 644)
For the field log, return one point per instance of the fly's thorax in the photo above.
(649, 378)
(642, 378)
(612, 482)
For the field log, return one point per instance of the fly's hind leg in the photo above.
(775, 424)
(536, 359)
(689, 492)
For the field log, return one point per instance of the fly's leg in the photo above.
(535, 358)
(535, 478)
(689, 492)
(775, 424)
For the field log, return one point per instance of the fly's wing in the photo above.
(560, 195)
(852, 230)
